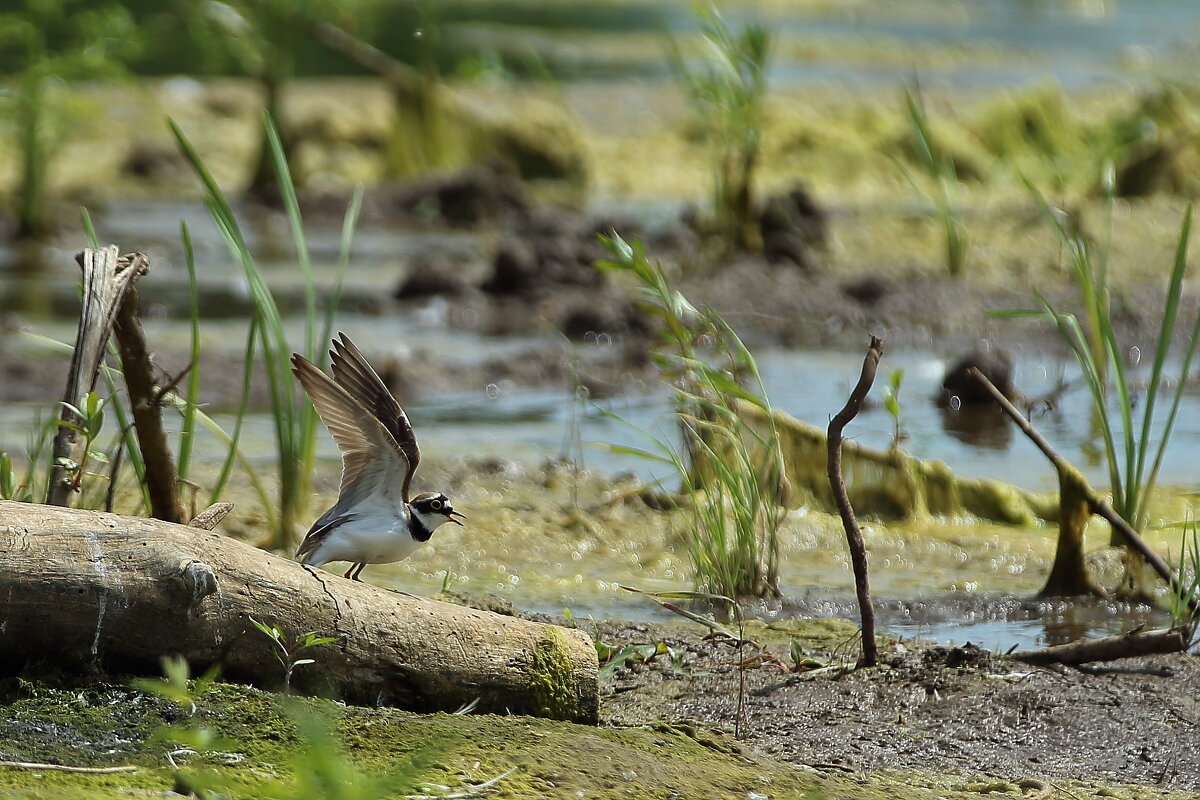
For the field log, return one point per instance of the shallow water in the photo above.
(813, 385)
(952, 572)
(950, 583)
(1076, 42)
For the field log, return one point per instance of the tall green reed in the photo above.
(1187, 579)
(939, 170)
(187, 429)
(728, 91)
(293, 416)
(730, 468)
(124, 444)
(1131, 451)
(263, 40)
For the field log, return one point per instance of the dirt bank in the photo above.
(957, 710)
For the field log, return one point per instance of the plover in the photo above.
(373, 521)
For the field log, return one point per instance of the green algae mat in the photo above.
(239, 742)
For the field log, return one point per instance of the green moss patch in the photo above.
(267, 746)
(257, 740)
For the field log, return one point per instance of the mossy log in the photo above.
(85, 590)
(893, 485)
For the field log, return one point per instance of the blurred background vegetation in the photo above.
(598, 97)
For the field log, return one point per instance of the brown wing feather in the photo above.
(371, 459)
(355, 375)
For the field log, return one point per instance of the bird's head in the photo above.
(433, 508)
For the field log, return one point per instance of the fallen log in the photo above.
(1110, 648)
(86, 590)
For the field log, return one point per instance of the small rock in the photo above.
(783, 247)
(794, 212)
(432, 274)
(514, 269)
(996, 364)
(868, 290)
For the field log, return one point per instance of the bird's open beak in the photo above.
(450, 515)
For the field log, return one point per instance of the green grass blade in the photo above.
(707, 622)
(188, 426)
(1128, 497)
(1166, 329)
(1071, 332)
(637, 452)
(349, 224)
(243, 403)
(1175, 291)
(287, 414)
(291, 206)
(89, 230)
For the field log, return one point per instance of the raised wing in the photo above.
(355, 375)
(371, 460)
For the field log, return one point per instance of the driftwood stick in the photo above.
(1098, 505)
(84, 590)
(211, 517)
(106, 277)
(1110, 648)
(858, 550)
(397, 74)
(161, 476)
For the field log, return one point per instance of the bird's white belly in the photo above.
(369, 538)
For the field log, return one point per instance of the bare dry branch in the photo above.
(858, 550)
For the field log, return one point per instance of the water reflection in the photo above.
(1066, 626)
(1001, 623)
(979, 426)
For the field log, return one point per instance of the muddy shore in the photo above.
(931, 722)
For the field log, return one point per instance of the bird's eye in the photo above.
(436, 505)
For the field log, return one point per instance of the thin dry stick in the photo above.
(858, 551)
(1097, 503)
(161, 476)
(66, 767)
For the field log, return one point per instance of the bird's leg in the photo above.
(346, 574)
(358, 571)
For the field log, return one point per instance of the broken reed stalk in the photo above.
(106, 277)
(210, 518)
(858, 551)
(145, 400)
(1096, 503)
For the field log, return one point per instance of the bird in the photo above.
(374, 521)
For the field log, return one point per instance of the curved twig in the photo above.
(858, 551)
